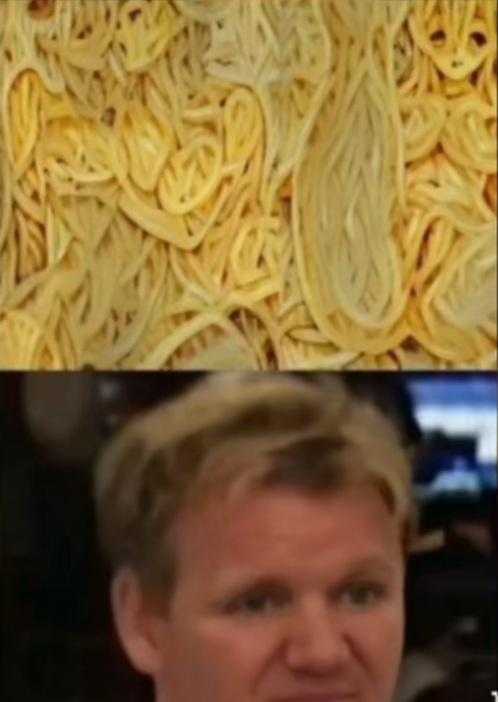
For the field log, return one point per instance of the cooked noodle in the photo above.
(294, 184)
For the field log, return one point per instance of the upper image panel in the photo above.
(234, 184)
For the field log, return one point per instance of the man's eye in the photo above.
(364, 595)
(255, 603)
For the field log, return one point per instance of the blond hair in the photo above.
(236, 432)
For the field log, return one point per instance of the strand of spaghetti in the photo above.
(71, 344)
(188, 284)
(160, 355)
(48, 352)
(6, 198)
(161, 224)
(333, 362)
(18, 351)
(456, 263)
(235, 301)
(460, 348)
(110, 358)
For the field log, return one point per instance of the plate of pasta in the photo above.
(248, 184)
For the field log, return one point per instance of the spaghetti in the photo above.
(273, 184)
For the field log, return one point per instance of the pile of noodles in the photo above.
(293, 184)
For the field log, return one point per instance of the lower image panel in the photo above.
(248, 537)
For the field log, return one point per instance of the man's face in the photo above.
(283, 597)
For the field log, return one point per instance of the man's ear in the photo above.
(138, 625)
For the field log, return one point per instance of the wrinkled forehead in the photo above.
(283, 529)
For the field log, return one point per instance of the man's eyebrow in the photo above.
(251, 582)
(234, 584)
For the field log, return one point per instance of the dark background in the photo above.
(58, 643)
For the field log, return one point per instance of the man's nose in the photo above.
(317, 642)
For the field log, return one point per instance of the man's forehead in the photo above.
(272, 524)
(266, 504)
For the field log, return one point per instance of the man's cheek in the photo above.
(381, 637)
(233, 644)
